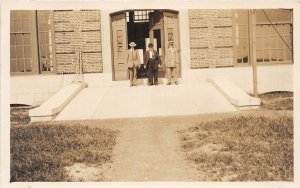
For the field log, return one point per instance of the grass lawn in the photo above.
(256, 145)
(277, 101)
(42, 151)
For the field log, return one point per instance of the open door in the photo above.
(171, 31)
(164, 26)
(119, 40)
(156, 35)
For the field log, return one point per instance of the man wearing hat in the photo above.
(172, 62)
(133, 62)
(152, 61)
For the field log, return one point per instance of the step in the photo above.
(145, 101)
(55, 104)
(234, 94)
(140, 82)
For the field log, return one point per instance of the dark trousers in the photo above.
(152, 76)
(152, 71)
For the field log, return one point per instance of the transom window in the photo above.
(138, 15)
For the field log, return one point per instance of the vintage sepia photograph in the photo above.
(151, 95)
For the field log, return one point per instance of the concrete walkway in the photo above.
(122, 101)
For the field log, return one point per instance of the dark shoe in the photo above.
(131, 85)
(150, 84)
(169, 83)
(176, 83)
(156, 84)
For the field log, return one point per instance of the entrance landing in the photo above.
(122, 101)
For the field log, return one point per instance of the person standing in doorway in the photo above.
(172, 62)
(133, 63)
(152, 62)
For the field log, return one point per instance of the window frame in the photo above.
(235, 52)
(284, 48)
(53, 45)
(32, 32)
(35, 45)
(285, 60)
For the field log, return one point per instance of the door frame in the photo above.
(178, 46)
(163, 38)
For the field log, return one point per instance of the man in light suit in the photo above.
(133, 63)
(152, 62)
(172, 62)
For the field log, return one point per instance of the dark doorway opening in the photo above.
(157, 36)
(138, 32)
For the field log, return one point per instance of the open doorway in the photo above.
(142, 27)
(138, 32)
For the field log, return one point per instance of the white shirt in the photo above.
(151, 53)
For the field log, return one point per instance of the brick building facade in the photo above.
(49, 42)
(74, 31)
(211, 38)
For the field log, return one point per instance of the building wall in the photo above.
(211, 38)
(77, 30)
(106, 42)
(35, 89)
(269, 77)
(184, 38)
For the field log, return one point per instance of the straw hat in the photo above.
(132, 44)
(171, 41)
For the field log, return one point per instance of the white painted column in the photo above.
(106, 42)
(184, 39)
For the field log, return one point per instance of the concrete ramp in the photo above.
(123, 101)
(49, 109)
(234, 94)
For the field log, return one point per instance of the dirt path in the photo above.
(149, 152)
(147, 149)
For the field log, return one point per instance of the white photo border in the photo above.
(6, 6)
